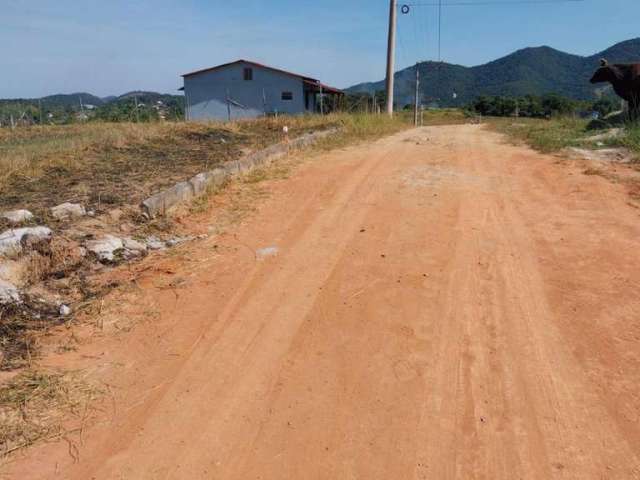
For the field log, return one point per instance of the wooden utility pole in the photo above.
(391, 54)
(417, 98)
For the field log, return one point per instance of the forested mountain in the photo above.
(531, 71)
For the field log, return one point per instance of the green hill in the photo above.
(66, 108)
(531, 71)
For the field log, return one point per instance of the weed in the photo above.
(35, 404)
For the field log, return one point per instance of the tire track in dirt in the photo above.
(419, 321)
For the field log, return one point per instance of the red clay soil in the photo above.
(442, 305)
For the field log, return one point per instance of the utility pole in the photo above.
(391, 54)
(135, 97)
(40, 108)
(321, 101)
(417, 102)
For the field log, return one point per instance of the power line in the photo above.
(489, 2)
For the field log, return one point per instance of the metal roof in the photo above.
(308, 80)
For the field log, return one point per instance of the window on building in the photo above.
(248, 74)
(287, 95)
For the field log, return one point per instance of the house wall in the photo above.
(206, 93)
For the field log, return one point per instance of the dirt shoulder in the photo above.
(436, 304)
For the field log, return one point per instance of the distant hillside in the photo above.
(65, 108)
(72, 99)
(531, 71)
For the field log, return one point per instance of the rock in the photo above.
(133, 248)
(12, 241)
(17, 216)
(105, 248)
(154, 243)
(267, 252)
(68, 210)
(172, 242)
(8, 293)
(65, 310)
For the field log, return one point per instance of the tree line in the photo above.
(29, 112)
(544, 106)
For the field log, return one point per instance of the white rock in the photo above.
(11, 240)
(132, 244)
(68, 210)
(172, 242)
(8, 293)
(17, 216)
(65, 310)
(154, 243)
(105, 248)
(267, 252)
(133, 248)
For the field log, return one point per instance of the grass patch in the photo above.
(550, 136)
(107, 165)
(631, 138)
(36, 405)
(543, 135)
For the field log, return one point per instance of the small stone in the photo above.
(267, 252)
(172, 242)
(65, 310)
(66, 211)
(17, 216)
(131, 244)
(9, 293)
(11, 241)
(133, 248)
(105, 248)
(154, 243)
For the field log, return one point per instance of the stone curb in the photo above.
(162, 202)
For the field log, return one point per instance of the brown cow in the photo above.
(625, 79)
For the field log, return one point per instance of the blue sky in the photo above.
(113, 46)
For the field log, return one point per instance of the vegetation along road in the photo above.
(438, 304)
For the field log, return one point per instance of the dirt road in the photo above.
(436, 305)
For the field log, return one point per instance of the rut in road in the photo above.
(442, 306)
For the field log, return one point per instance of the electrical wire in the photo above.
(489, 2)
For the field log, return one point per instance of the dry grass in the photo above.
(103, 165)
(37, 405)
(111, 164)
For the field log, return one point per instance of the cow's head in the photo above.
(606, 73)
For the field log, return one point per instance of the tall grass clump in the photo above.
(631, 137)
